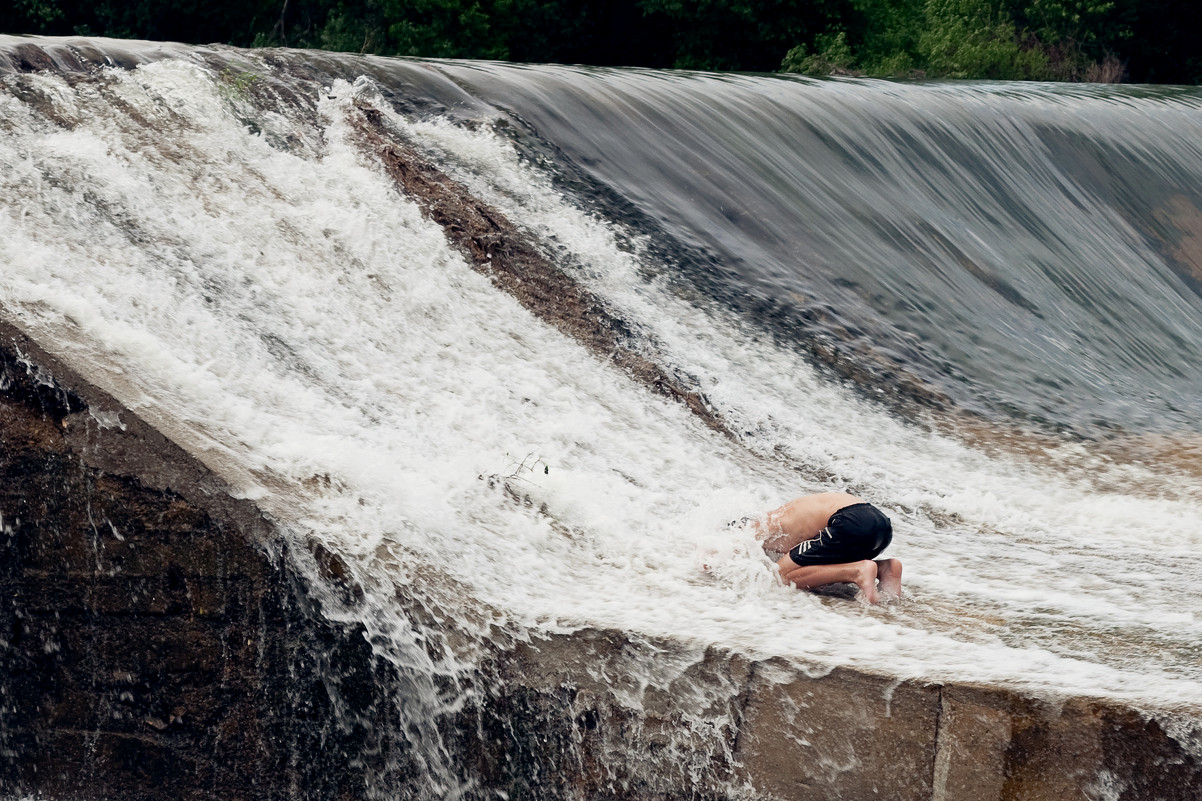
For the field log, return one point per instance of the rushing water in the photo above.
(206, 237)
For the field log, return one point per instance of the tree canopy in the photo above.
(1152, 41)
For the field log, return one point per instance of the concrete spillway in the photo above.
(161, 643)
(366, 422)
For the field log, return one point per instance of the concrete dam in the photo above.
(370, 428)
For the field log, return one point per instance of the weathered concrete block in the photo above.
(844, 735)
(1053, 754)
(973, 738)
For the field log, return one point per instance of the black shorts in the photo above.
(853, 533)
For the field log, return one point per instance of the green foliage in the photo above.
(834, 57)
(934, 38)
(1152, 40)
(39, 12)
(166, 20)
(890, 30)
(490, 29)
(236, 85)
(1082, 22)
(900, 64)
(740, 34)
(975, 39)
(796, 60)
(446, 28)
(1081, 35)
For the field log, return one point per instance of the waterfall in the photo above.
(978, 306)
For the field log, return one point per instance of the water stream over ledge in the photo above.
(850, 276)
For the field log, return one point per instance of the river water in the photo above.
(975, 305)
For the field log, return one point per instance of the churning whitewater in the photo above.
(207, 238)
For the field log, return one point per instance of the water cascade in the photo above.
(510, 345)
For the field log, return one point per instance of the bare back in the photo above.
(802, 519)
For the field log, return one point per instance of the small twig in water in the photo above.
(516, 470)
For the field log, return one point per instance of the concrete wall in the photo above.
(148, 648)
(853, 735)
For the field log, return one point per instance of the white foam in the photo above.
(289, 318)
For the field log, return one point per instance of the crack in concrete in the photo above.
(942, 753)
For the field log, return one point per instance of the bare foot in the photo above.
(865, 579)
(889, 571)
